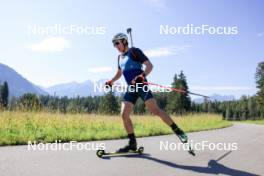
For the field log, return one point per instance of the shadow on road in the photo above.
(214, 167)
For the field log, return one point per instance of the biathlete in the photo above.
(130, 64)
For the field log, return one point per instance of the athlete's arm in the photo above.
(117, 75)
(143, 59)
(148, 68)
(140, 78)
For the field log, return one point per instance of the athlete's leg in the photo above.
(126, 109)
(154, 108)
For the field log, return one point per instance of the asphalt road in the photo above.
(248, 159)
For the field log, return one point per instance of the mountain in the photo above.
(216, 97)
(17, 84)
(74, 89)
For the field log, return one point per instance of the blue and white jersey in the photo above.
(131, 63)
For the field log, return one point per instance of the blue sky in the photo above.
(222, 64)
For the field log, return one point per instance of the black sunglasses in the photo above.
(116, 43)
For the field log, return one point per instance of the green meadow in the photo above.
(20, 127)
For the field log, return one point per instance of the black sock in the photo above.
(174, 127)
(132, 138)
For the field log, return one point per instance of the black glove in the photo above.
(139, 79)
(109, 83)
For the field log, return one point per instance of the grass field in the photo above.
(20, 127)
(260, 122)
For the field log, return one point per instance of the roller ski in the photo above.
(125, 152)
(130, 149)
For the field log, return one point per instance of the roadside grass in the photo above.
(20, 127)
(259, 122)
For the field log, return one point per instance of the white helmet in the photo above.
(119, 36)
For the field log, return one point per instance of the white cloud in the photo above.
(261, 34)
(100, 69)
(221, 88)
(165, 51)
(53, 44)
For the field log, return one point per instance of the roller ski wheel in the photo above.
(100, 153)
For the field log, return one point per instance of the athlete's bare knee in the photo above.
(125, 111)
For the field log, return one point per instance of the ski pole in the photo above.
(129, 31)
(221, 157)
(175, 89)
